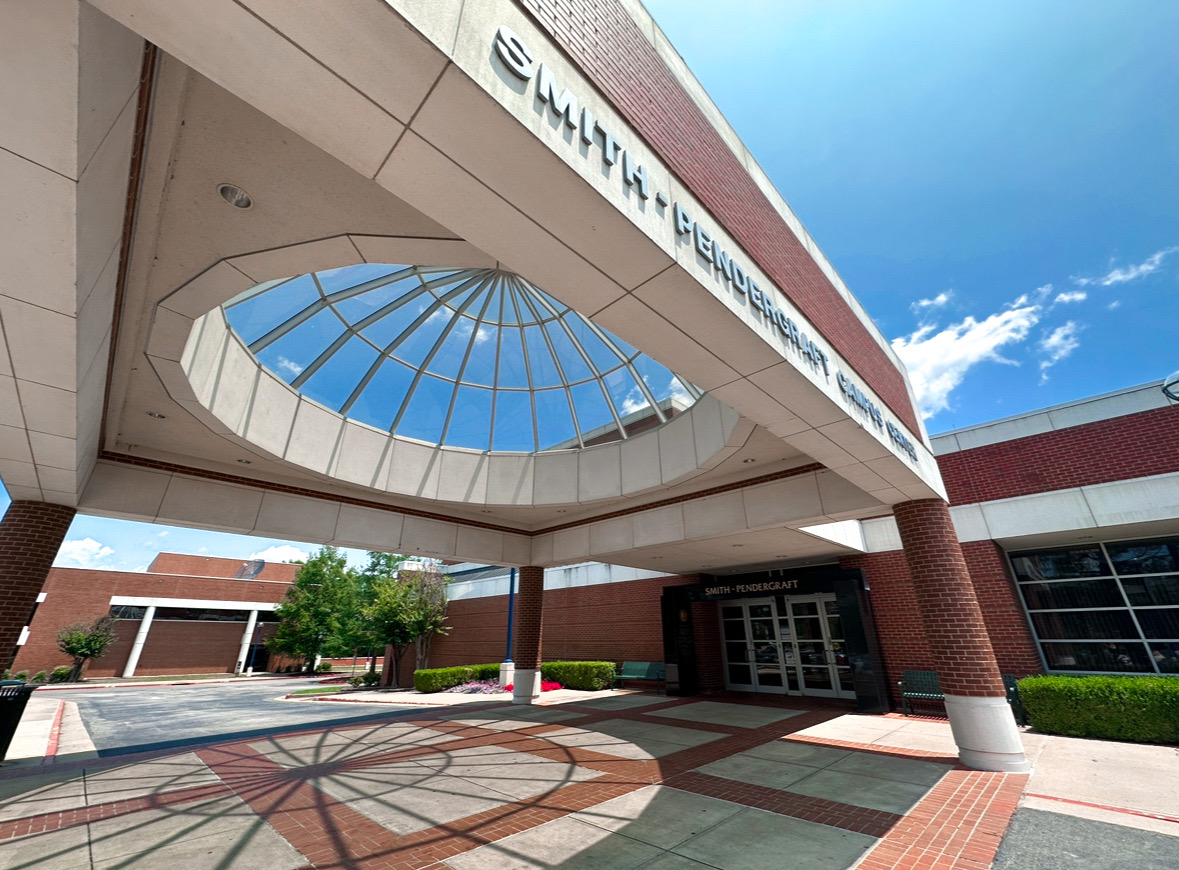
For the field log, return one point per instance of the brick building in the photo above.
(186, 614)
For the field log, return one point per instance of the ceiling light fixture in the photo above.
(244, 461)
(235, 196)
(157, 415)
(738, 545)
(747, 461)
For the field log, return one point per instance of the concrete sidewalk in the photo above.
(611, 780)
(49, 727)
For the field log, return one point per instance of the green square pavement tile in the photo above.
(509, 718)
(910, 770)
(717, 713)
(515, 774)
(668, 861)
(861, 791)
(566, 843)
(623, 702)
(32, 795)
(405, 802)
(758, 771)
(798, 753)
(222, 834)
(644, 733)
(66, 849)
(659, 816)
(758, 840)
(147, 778)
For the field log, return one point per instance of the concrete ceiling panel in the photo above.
(430, 537)
(640, 465)
(542, 550)
(101, 200)
(841, 498)
(791, 500)
(287, 262)
(210, 504)
(234, 393)
(517, 550)
(368, 529)
(46, 409)
(463, 476)
(125, 491)
(15, 473)
(414, 469)
(296, 517)
(677, 450)
(570, 545)
(169, 335)
(480, 545)
(659, 526)
(206, 291)
(10, 409)
(272, 415)
(112, 57)
(510, 479)
(360, 457)
(555, 478)
(315, 437)
(421, 252)
(611, 536)
(715, 515)
(599, 473)
(54, 450)
(14, 444)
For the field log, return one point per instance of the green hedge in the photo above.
(1139, 709)
(587, 676)
(437, 679)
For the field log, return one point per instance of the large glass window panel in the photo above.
(1074, 656)
(381, 399)
(1166, 657)
(1145, 591)
(289, 355)
(1061, 564)
(418, 344)
(571, 360)
(426, 410)
(334, 381)
(1161, 624)
(513, 372)
(657, 377)
(470, 421)
(1145, 557)
(540, 359)
(513, 421)
(357, 307)
(604, 359)
(735, 630)
(391, 326)
(624, 391)
(347, 277)
(554, 421)
(1080, 624)
(449, 359)
(262, 312)
(592, 410)
(1072, 594)
(480, 368)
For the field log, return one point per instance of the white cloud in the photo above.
(676, 391)
(928, 304)
(1123, 274)
(1058, 344)
(283, 553)
(634, 401)
(1071, 296)
(86, 553)
(938, 361)
(1117, 303)
(289, 366)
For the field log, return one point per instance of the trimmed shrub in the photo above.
(23, 676)
(39, 677)
(324, 668)
(61, 674)
(437, 679)
(364, 680)
(1138, 709)
(587, 676)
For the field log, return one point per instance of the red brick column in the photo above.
(976, 702)
(526, 640)
(30, 536)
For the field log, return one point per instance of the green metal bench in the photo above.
(655, 672)
(924, 686)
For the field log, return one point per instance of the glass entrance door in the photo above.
(791, 645)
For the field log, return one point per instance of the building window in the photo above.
(1110, 607)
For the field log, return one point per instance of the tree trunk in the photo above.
(422, 645)
(76, 673)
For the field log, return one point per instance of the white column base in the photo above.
(507, 673)
(527, 686)
(986, 734)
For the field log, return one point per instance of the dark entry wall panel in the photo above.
(606, 44)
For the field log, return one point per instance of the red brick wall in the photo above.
(1121, 448)
(1015, 650)
(604, 41)
(30, 535)
(76, 594)
(211, 566)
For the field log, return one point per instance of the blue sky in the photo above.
(998, 183)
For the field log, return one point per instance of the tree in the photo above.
(360, 631)
(314, 615)
(390, 615)
(429, 608)
(86, 640)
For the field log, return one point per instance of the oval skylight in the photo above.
(474, 358)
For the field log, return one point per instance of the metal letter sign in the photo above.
(513, 52)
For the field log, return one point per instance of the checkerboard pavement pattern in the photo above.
(627, 781)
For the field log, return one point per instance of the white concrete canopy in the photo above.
(393, 132)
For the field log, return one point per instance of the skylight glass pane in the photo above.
(356, 308)
(260, 314)
(380, 400)
(289, 355)
(625, 393)
(426, 411)
(385, 331)
(335, 280)
(480, 367)
(470, 421)
(512, 372)
(656, 376)
(421, 341)
(571, 361)
(513, 421)
(604, 358)
(592, 410)
(449, 359)
(554, 423)
(540, 359)
(509, 313)
(334, 381)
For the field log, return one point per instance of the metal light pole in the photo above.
(507, 670)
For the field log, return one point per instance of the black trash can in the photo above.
(14, 695)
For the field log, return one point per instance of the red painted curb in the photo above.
(54, 734)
